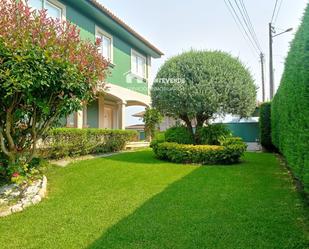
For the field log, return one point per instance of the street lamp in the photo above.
(271, 67)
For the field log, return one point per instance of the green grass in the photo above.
(135, 201)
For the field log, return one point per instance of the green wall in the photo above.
(121, 53)
(249, 132)
(290, 106)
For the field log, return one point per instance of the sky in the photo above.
(176, 26)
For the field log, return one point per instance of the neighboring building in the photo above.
(140, 128)
(166, 123)
(129, 55)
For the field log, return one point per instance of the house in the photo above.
(140, 128)
(127, 51)
(166, 123)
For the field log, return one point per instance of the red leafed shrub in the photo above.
(46, 72)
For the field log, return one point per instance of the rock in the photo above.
(8, 189)
(15, 193)
(3, 202)
(36, 199)
(5, 212)
(17, 208)
(42, 191)
(31, 191)
(26, 202)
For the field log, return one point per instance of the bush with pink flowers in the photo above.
(46, 73)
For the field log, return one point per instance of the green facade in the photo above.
(80, 16)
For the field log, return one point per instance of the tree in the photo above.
(152, 119)
(46, 72)
(198, 85)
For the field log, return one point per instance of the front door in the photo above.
(108, 118)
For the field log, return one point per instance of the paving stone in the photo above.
(36, 199)
(17, 208)
(5, 212)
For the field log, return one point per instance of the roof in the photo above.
(136, 127)
(139, 114)
(124, 25)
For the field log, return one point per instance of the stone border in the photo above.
(31, 195)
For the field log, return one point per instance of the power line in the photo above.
(279, 8)
(274, 11)
(250, 24)
(240, 23)
(245, 26)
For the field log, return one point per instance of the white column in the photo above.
(80, 115)
(101, 112)
(122, 115)
(149, 76)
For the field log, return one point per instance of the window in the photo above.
(36, 4)
(138, 64)
(54, 8)
(106, 46)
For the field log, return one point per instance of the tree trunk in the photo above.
(200, 121)
(188, 122)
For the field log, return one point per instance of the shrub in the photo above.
(63, 142)
(160, 135)
(290, 106)
(179, 134)
(213, 134)
(158, 138)
(46, 72)
(152, 118)
(231, 141)
(228, 153)
(265, 126)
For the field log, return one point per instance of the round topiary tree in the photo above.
(199, 85)
(46, 72)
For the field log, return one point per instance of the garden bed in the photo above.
(15, 198)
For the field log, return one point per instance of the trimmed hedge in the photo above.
(63, 142)
(265, 126)
(179, 134)
(227, 153)
(210, 135)
(290, 106)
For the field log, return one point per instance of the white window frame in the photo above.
(134, 54)
(100, 32)
(58, 5)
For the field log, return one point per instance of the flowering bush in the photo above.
(46, 72)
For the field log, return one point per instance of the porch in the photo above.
(108, 111)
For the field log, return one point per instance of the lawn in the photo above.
(134, 201)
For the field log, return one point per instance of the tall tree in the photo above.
(46, 72)
(198, 85)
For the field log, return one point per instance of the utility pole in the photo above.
(263, 77)
(271, 67)
(272, 34)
